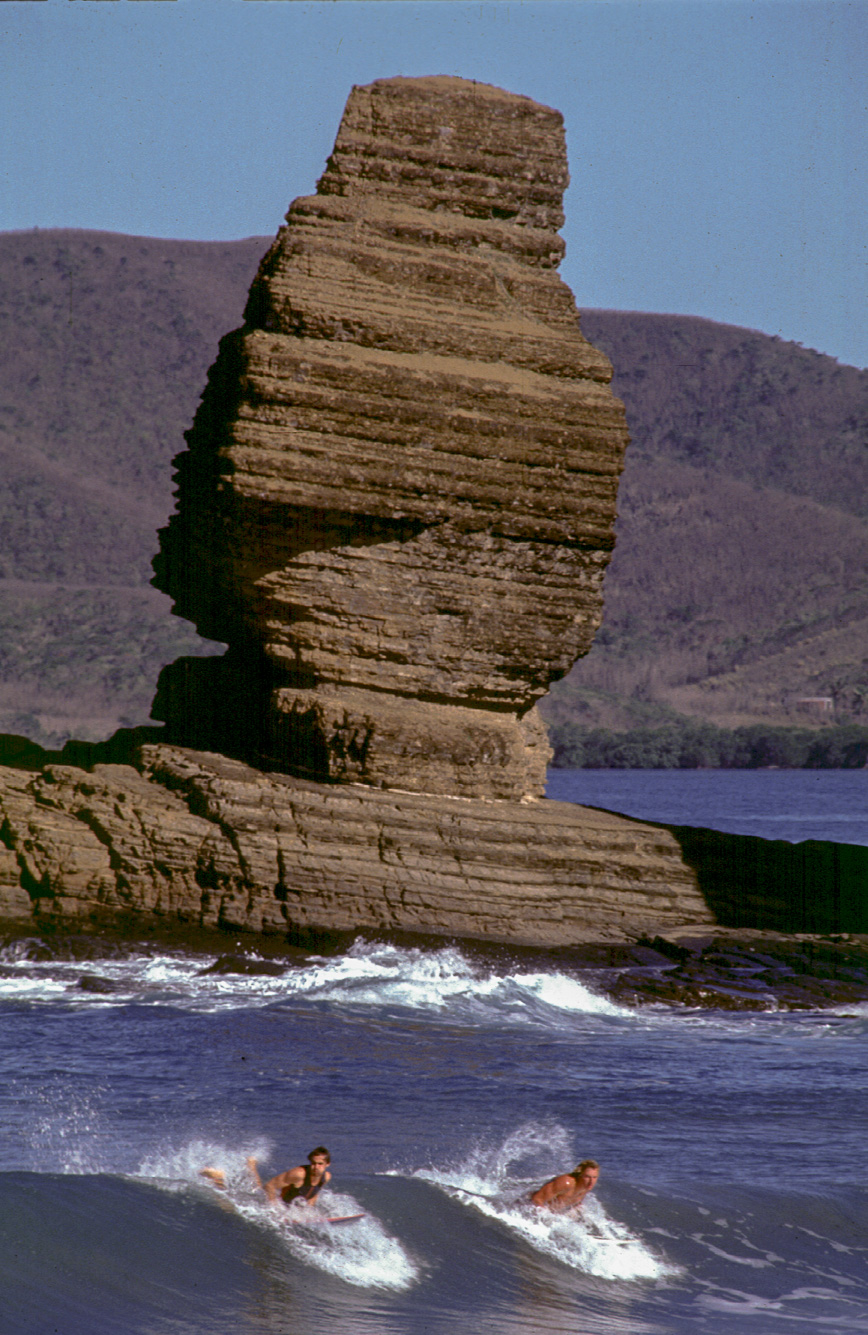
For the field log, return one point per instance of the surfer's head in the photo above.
(586, 1173)
(319, 1153)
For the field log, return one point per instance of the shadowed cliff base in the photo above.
(122, 748)
(768, 884)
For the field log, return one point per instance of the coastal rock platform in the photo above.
(177, 841)
(197, 838)
(746, 970)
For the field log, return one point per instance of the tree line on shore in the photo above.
(694, 744)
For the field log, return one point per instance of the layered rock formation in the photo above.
(192, 838)
(212, 842)
(398, 501)
(396, 508)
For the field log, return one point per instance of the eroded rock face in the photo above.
(398, 501)
(196, 838)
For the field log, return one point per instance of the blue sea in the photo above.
(791, 804)
(446, 1082)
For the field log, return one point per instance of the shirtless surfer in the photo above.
(567, 1191)
(299, 1185)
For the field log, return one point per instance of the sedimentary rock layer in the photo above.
(196, 839)
(400, 487)
(200, 839)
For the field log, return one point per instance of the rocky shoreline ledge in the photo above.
(743, 970)
(177, 839)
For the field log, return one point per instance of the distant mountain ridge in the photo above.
(738, 584)
(760, 410)
(740, 581)
(106, 343)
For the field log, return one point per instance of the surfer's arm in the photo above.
(293, 1177)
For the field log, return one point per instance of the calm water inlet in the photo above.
(774, 804)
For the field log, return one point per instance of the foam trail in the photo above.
(590, 1242)
(360, 1253)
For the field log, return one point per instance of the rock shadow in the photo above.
(769, 884)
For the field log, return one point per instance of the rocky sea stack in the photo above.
(399, 496)
(396, 509)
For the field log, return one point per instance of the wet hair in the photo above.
(586, 1163)
(319, 1152)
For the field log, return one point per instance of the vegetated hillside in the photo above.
(740, 580)
(770, 413)
(738, 583)
(106, 341)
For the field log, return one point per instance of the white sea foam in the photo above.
(375, 974)
(360, 1252)
(439, 983)
(368, 974)
(567, 994)
(593, 1242)
(486, 1181)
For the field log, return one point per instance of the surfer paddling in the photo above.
(300, 1185)
(567, 1191)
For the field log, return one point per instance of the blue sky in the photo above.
(717, 148)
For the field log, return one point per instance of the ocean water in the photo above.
(446, 1082)
(793, 804)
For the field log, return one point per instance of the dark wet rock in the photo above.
(749, 971)
(80, 946)
(92, 982)
(673, 991)
(29, 948)
(617, 955)
(70, 947)
(243, 964)
(669, 949)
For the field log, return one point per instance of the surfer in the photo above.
(302, 1184)
(299, 1185)
(567, 1191)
